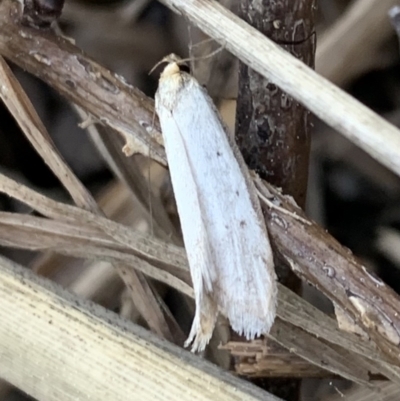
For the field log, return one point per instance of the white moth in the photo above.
(224, 233)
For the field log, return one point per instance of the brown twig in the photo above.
(319, 259)
(273, 130)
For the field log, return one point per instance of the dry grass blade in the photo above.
(347, 47)
(300, 313)
(303, 315)
(51, 331)
(141, 244)
(321, 354)
(36, 233)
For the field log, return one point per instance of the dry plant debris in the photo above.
(304, 341)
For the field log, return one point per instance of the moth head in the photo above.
(175, 65)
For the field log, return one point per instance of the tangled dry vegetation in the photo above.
(104, 301)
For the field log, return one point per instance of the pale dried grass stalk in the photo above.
(351, 45)
(56, 347)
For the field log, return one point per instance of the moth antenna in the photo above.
(209, 55)
(202, 42)
(173, 58)
(191, 45)
(159, 63)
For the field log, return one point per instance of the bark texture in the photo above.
(273, 130)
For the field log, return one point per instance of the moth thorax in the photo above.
(170, 69)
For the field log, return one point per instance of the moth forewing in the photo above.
(225, 237)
